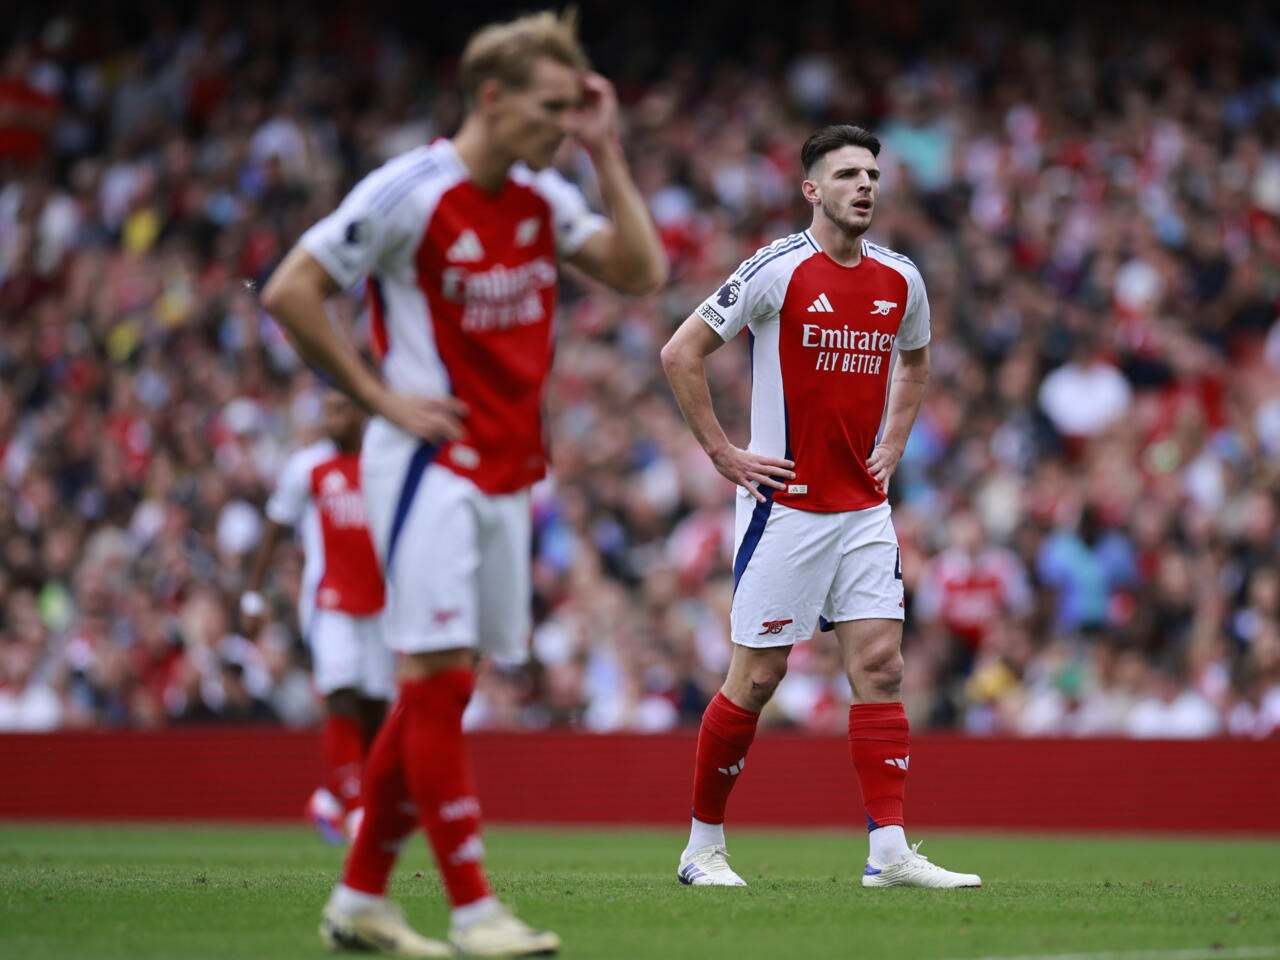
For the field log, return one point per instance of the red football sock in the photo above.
(723, 738)
(343, 742)
(389, 814)
(439, 777)
(879, 740)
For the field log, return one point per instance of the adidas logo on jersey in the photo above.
(466, 249)
(821, 305)
(527, 231)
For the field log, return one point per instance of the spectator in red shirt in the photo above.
(27, 114)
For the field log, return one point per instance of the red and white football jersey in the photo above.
(462, 287)
(319, 496)
(823, 337)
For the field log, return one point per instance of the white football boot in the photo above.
(708, 867)
(915, 870)
(381, 928)
(497, 932)
(326, 814)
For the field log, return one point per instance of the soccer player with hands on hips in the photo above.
(339, 605)
(460, 242)
(828, 311)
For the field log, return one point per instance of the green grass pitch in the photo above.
(110, 891)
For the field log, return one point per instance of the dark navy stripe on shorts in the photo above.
(751, 539)
(418, 464)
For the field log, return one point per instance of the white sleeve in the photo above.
(739, 302)
(368, 229)
(914, 331)
(289, 500)
(572, 219)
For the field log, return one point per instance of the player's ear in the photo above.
(489, 94)
(811, 192)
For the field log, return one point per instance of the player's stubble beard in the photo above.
(845, 224)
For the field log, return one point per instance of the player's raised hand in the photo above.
(752, 471)
(435, 419)
(881, 464)
(597, 115)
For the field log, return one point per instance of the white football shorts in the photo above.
(350, 653)
(790, 566)
(456, 560)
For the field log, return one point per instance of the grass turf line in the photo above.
(216, 892)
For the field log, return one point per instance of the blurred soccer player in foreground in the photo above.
(827, 312)
(460, 241)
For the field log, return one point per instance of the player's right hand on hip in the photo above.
(752, 471)
(435, 419)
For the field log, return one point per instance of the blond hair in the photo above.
(507, 51)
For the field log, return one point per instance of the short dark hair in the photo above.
(834, 137)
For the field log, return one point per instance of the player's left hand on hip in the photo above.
(881, 464)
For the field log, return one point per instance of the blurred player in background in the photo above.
(827, 311)
(339, 608)
(460, 241)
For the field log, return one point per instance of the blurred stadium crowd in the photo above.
(1088, 504)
